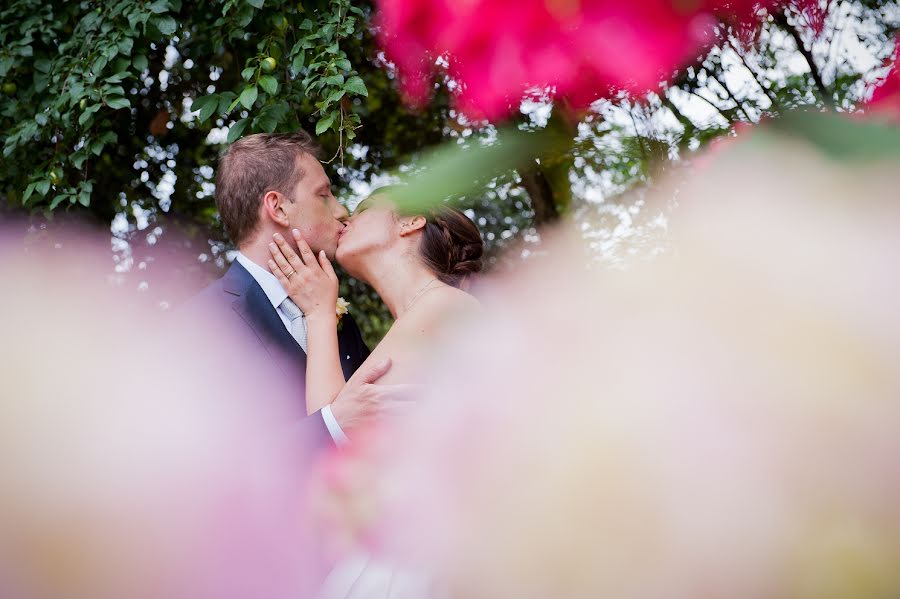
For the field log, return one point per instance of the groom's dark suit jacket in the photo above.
(254, 350)
(244, 347)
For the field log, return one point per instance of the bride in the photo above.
(419, 265)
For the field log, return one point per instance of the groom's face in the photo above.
(314, 210)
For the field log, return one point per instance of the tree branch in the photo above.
(781, 21)
(738, 104)
(768, 92)
(688, 124)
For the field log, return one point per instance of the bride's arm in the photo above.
(314, 288)
(324, 376)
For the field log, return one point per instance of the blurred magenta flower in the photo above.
(886, 96)
(500, 50)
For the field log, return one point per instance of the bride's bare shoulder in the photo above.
(442, 305)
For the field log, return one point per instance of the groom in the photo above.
(267, 184)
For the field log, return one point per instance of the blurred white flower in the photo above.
(721, 422)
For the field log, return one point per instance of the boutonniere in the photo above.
(343, 307)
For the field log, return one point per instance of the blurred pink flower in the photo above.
(886, 96)
(132, 465)
(720, 422)
(499, 50)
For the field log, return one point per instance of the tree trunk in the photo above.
(542, 199)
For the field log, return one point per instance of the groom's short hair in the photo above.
(252, 166)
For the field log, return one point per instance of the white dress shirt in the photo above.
(276, 294)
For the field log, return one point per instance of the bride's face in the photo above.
(372, 228)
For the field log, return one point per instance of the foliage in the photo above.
(117, 111)
(93, 70)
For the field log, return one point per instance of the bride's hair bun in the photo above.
(451, 245)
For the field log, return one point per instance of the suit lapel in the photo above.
(254, 307)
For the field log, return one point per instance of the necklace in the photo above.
(416, 296)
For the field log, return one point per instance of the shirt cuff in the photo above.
(334, 429)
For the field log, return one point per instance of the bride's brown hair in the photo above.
(451, 245)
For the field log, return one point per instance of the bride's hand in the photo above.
(309, 280)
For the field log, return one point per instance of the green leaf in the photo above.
(841, 137)
(140, 62)
(88, 113)
(245, 15)
(117, 78)
(135, 17)
(28, 191)
(159, 7)
(99, 65)
(232, 105)
(323, 124)
(235, 131)
(125, 45)
(42, 65)
(76, 91)
(207, 105)
(269, 84)
(248, 96)
(6, 64)
(335, 96)
(255, 3)
(356, 86)
(57, 201)
(299, 61)
(78, 159)
(266, 123)
(439, 175)
(165, 24)
(117, 102)
(43, 186)
(248, 73)
(334, 80)
(225, 100)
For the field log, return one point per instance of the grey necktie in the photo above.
(298, 321)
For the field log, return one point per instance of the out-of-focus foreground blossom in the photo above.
(721, 422)
(886, 96)
(500, 50)
(131, 466)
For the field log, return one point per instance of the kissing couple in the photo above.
(278, 301)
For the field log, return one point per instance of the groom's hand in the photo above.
(362, 401)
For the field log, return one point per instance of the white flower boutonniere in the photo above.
(343, 307)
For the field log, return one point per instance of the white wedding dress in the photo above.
(362, 576)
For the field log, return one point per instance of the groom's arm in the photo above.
(331, 425)
(355, 403)
(363, 400)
